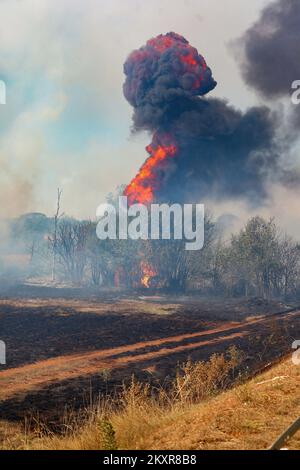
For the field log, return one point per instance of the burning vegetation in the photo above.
(144, 186)
(148, 273)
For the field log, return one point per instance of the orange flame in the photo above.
(148, 273)
(162, 43)
(142, 188)
(187, 54)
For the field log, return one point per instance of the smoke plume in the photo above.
(271, 52)
(202, 147)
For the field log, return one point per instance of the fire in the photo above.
(188, 59)
(163, 42)
(188, 55)
(165, 56)
(142, 188)
(165, 73)
(165, 68)
(148, 273)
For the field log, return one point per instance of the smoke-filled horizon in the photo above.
(66, 122)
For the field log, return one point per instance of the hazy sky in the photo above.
(66, 123)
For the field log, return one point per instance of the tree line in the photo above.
(259, 260)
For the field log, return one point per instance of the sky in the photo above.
(66, 123)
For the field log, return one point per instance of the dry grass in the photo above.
(192, 415)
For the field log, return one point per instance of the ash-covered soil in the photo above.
(64, 345)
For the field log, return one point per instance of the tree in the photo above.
(101, 259)
(176, 267)
(254, 252)
(289, 257)
(54, 237)
(71, 248)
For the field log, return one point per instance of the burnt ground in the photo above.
(64, 346)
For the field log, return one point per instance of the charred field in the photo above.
(65, 348)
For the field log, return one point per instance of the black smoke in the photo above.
(271, 53)
(222, 152)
